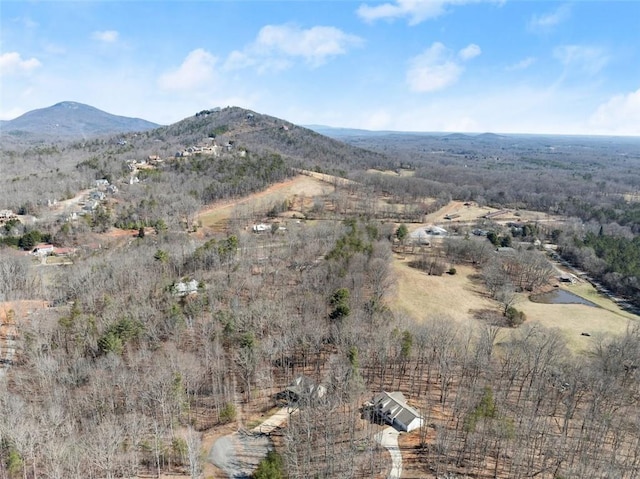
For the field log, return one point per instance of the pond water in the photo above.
(560, 296)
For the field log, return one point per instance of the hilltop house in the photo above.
(394, 410)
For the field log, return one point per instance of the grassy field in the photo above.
(300, 188)
(458, 296)
(574, 319)
(470, 212)
(422, 296)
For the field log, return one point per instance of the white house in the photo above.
(393, 408)
(185, 288)
(43, 249)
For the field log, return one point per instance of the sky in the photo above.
(503, 66)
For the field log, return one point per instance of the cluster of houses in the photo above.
(97, 195)
(150, 161)
(212, 149)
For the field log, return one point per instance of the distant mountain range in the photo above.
(70, 120)
(334, 132)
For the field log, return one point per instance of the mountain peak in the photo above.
(69, 104)
(69, 120)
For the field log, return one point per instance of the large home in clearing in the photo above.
(393, 408)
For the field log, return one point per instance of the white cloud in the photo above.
(12, 63)
(196, 70)
(522, 64)
(437, 67)
(547, 21)
(106, 36)
(469, 52)
(277, 45)
(417, 11)
(618, 116)
(585, 59)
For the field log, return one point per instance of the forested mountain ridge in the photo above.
(69, 120)
(263, 133)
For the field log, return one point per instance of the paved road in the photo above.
(388, 439)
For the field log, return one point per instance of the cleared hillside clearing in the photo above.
(464, 212)
(423, 296)
(300, 187)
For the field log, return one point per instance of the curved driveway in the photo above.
(388, 439)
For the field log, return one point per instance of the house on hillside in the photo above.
(394, 410)
(42, 249)
(185, 288)
(97, 195)
(303, 390)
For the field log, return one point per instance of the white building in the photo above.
(393, 408)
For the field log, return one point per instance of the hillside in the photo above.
(267, 134)
(69, 120)
(252, 151)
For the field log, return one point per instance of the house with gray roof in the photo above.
(393, 408)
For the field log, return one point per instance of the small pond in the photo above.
(560, 296)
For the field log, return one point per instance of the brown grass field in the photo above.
(299, 188)
(574, 319)
(422, 296)
(457, 296)
(472, 212)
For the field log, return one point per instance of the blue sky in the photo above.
(508, 66)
